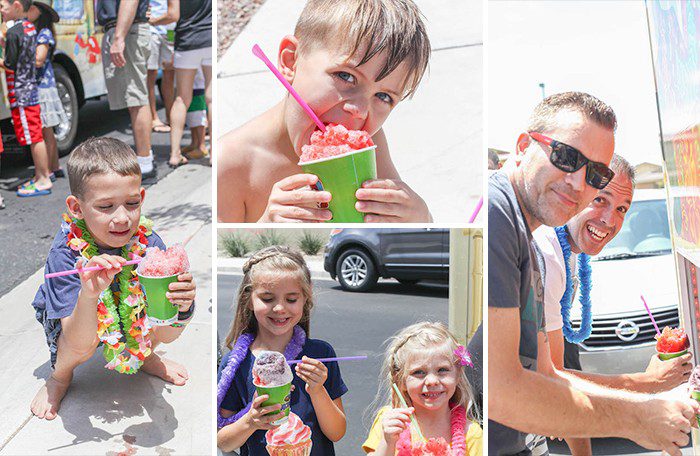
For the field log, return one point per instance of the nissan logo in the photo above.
(627, 330)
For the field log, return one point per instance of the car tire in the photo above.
(356, 271)
(67, 131)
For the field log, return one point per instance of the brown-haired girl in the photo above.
(273, 310)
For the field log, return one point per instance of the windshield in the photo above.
(644, 232)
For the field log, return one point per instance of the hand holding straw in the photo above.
(324, 360)
(479, 204)
(51, 275)
(261, 55)
(414, 423)
(650, 315)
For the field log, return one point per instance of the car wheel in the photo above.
(356, 271)
(66, 131)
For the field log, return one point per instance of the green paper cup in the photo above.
(696, 395)
(160, 311)
(278, 395)
(667, 356)
(342, 175)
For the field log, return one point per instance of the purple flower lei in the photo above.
(238, 354)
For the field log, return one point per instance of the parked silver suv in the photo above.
(637, 262)
(357, 257)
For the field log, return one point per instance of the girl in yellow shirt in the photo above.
(427, 365)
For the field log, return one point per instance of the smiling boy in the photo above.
(104, 227)
(352, 62)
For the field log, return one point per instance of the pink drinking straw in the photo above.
(51, 275)
(261, 55)
(324, 360)
(650, 315)
(476, 209)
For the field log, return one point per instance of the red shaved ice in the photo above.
(672, 340)
(336, 140)
(164, 263)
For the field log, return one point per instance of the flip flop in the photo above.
(183, 161)
(163, 128)
(31, 190)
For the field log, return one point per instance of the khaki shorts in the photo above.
(126, 86)
(161, 52)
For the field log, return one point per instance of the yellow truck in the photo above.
(77, 64)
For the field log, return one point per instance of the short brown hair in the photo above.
(544, 115)
(100, 156)
(622, 167)
(394, 26)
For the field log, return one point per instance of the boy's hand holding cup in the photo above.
(182, 292)
(390, 200)
(95, 282)
(291, 201)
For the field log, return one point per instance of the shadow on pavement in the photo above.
(112, 400)
(181, 214)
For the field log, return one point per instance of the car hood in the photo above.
(618, 284)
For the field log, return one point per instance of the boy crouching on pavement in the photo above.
(104, 228)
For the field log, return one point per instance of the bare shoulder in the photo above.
(234, 166)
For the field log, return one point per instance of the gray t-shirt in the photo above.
(193, 30)
(514, 281)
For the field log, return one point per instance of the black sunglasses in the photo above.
(569, 159)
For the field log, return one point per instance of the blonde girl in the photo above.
(428, 366)
(273, 310)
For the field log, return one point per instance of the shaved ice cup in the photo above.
(667, 356)
(160, 311)
(342, 175)
(277, 395)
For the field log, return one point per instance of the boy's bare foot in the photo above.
(48, 399)
(168, 370)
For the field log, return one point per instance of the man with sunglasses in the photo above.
(562, 163)
(588, 232)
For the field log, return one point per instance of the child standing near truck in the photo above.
(23, 94)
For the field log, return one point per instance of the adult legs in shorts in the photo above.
(161, 57)
(206, 69)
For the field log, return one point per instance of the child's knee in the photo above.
(79, 351)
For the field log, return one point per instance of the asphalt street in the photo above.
(28, 225)
(355, 324)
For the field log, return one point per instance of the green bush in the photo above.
(235, 244)
(268, 238)
(311, 243)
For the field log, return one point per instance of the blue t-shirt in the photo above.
(241, 393)
(60, 294)
(44, 75)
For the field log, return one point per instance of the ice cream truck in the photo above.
(77, 64)
(674, 31)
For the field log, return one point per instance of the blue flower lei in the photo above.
(584, 274)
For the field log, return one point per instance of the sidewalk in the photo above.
(444, 168)
(105, 412)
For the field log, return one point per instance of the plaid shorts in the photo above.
(52, 329)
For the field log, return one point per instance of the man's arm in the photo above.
(563, 405)
(125, 17)
(659, 375)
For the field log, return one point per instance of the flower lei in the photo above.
(458, 444)
(238, 354)
(124, 350)
(584, 274)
